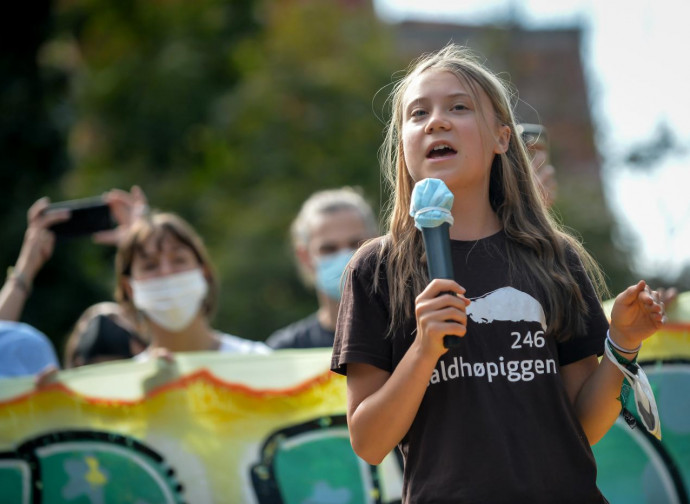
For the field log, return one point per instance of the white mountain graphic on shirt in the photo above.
(507, 304)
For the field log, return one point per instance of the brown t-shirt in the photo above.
(495, 425)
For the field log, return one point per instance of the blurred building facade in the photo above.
(545, 68)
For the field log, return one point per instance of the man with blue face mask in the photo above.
(330, 226)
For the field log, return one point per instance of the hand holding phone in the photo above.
(87, 216)
(125, 208)
(37, 248)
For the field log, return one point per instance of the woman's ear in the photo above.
(502, 139)
(304, 258)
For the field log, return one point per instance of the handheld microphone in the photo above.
(430, 206)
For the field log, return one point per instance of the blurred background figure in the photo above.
(537, 143)
(37, 248)
(536, 140)
(39, 243)
(166, 283)
(27, 350)
(24, 350)
(329, 228)
(103, 333)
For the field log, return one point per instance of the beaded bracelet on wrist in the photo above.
(624, 361)
(620, 348)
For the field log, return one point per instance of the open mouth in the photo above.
(441, 150)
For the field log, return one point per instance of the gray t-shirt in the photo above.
(495, 425)
(305, 333)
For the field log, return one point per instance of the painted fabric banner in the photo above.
(633, 467)
(210, 428)
(258, 429)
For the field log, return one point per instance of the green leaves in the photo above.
(230, 114)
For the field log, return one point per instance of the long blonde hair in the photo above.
(537, 247)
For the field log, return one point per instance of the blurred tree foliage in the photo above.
(33, 128)
(230, 114)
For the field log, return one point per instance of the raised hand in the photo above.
(638, 312)
(125, 207)
(39, 240)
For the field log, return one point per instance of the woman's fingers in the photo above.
(637, 313)
(441, 310)
(37, 209)
(48, 219)
(631, 294)
(47, 376)
(443, 300)
(163, 353)
(444, 314)
(439, 328)
(654, 306)
(440, 285)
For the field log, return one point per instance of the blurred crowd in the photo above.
(166, 286)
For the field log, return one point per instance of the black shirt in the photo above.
(495, 425)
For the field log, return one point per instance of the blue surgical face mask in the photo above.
(329, 272)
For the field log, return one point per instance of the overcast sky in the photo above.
(638, 70)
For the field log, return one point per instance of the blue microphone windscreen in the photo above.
(431, 203)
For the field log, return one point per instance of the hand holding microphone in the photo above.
(430, 207)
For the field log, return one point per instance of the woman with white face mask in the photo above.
(164, 276)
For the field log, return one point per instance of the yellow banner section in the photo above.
(214, 428)
(209, 428)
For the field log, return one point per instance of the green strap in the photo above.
(625, 388)
(621, 360)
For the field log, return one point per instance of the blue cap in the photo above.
(431, 203)
(24, 350)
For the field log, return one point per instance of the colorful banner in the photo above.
(259, 429)
(635, 468)
(210, 428)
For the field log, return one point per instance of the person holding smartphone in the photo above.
(105, 219)
(37, 248)
(24, 350)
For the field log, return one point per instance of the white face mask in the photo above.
(171, 301)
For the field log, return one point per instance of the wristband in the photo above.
(645, 402)
(18, 277)
(621, 360)
(620, 348)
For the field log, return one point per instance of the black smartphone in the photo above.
(87, 216)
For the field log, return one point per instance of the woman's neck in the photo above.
(473, 218)
(328, 311)
(198, 336)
